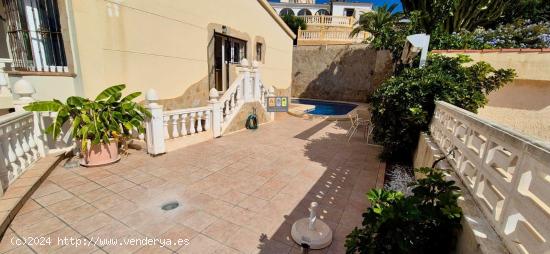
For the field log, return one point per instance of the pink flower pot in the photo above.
(100, 154)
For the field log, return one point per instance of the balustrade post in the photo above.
(38, 134)
(155, 125)
(192, 129)
(227, 109)
(183, 123)
(217, 116)
(24, 90)
(175, 121)
(247, 86)
(257, 78)
(207, 119)
(199, 121)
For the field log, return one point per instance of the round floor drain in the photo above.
(170, 206)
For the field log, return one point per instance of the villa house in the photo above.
(180, 49)
(327, 24)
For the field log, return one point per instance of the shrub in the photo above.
(403, 105)
(426, 222)
(520, 34)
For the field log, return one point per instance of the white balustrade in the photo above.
(21, 143)
(323, 36)
(507, 173)
(326, 20)
(215, 117)
(184, 122)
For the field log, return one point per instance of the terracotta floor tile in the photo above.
(240, 216)
(28, 219)
(46, 226)
(109, 180)
(53, 198)
(7, 245)
(221, 230)
(8, 204)
(242, 202)
(122, 210)
(65, 205)
(234, 196)
(246, 241)
(95, 194)
(84, 188)
(93, 223)
(109, 201)
(120, 186)
(21, 250)
(178, 234)
(199, 221)
(253, 203)
(80, 213)
(29, 206)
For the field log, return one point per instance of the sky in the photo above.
(375, 2)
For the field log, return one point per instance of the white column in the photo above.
(217, 116)
(155, 125)
(257, 78)
(247, 86)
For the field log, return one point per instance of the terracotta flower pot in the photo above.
(100, 154)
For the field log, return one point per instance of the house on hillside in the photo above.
(180, 49)
(327, 24)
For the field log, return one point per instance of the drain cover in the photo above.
(170, 206)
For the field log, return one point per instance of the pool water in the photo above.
(325, 107)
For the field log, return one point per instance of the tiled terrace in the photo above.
(237, 194)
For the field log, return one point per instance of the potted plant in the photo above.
(99, 125)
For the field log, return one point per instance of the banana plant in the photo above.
(108, 116)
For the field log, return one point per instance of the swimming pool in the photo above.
(326, 108)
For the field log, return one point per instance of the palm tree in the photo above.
(378, 23)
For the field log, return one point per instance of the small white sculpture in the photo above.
(311, 231)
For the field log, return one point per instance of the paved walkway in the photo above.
(237, 194)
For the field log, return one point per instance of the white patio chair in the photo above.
(356, 122)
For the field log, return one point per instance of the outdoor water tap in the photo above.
(312, 215)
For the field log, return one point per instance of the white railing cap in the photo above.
(14, 116)
(23, 87)
(508, 131)
(214, 94)
(151, 95)
(187, 111)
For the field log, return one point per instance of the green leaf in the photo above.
(131, 96)
(75, 101)
(111, 91)
(44, 106)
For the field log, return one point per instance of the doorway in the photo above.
(228, 51)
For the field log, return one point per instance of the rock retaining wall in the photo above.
(338, 72)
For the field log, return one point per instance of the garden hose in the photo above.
(252, 120)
